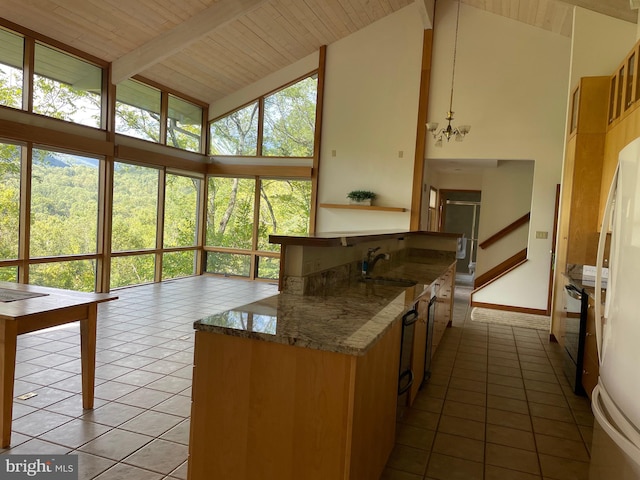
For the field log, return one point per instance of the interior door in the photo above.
(461, 214)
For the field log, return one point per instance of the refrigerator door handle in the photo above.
(604, 228)
(628, 441)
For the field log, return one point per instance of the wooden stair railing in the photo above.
(500, 269)
(506, 231)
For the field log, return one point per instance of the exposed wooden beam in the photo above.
(177, 39)
(426, 9)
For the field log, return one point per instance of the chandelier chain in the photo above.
(455, 51)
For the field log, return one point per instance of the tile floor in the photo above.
(139, 427)
(497, 405)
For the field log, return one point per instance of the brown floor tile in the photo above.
(546, 426)
(509, 419)
(508, 404)
(562, 447)
(444, 467)
(512, 458)
(408, 459)
(511, 437)
(466, 384)
(516, 393)
(462, 427)
(414, 436)
(562, 468)
(492, 472)
(551, 412)
(466, 396)
(464, 410)
(459, 447)
(392, 474)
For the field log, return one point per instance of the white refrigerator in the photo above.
(615, 452)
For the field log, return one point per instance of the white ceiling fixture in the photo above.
(450, 131)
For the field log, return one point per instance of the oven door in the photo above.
(575, 312)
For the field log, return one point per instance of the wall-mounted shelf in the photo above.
(362, 207)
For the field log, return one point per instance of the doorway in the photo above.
(461, 214)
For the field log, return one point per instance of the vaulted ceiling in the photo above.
(211, 48)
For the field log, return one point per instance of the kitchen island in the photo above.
(304, 384)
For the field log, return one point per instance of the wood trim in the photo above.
(28, 59)
(362, 207)
(162, 185)
(556, 215)
(171, 91)
(315, 172)
(421, 131)
(509, 308)
(506, 230)
(24, 250)
(54, 138)
(499, 270)
(149, 158)
(277, 171)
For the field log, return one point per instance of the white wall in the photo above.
(370, 110)
(512, 180)
(511, 87)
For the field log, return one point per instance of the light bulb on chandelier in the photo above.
(450, 131)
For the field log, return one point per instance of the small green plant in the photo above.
(360, 195)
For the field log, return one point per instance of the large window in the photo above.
(9, 202)
(236, 133)
(138, 110)
(64, 204)
(290, 119)
(11, 54)
(135, 209)
(238, 234)
(184, 124)
(67, 88)
(288, 124)
(181, 211)
(284, 209)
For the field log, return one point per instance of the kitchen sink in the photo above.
(394, 282)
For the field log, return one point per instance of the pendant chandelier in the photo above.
(450, 131)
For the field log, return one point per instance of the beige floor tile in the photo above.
(39, 422)
(179, 433)
(151, 423)
(512, 458)
(444, 467)
(562, 468)
(469, 374)
(508, 404)
(546, 426)
(542, 386)
(509, 419)
(507, 371)
(464, 410)
(466, 384)
(491, 472)
(511, 437)
(434, 391)
(116, 444)
(551, 412)
(539, 376)
(90, 466)
(414, 436)
(462, 427)
(421, 418)
(516, 393)
(545, 398)
(466, 396)
(180, 472)
(35, 446)
(159, 455)
(459, 447)
(75, 433)
(121, 471)
(562, 447)
(408, 459)
(392, 474)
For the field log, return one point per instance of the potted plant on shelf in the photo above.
(361, 197)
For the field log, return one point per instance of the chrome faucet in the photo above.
(371, 260)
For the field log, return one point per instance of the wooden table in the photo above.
(51, 307)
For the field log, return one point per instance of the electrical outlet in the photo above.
(542, 234)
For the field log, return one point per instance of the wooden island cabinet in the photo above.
(304, 384)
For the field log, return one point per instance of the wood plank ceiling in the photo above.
(210, 48)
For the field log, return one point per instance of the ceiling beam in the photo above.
(177, 39)
(426, 9)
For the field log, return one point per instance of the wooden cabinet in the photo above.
(590, 368)
(269, 410)
(578, 216)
